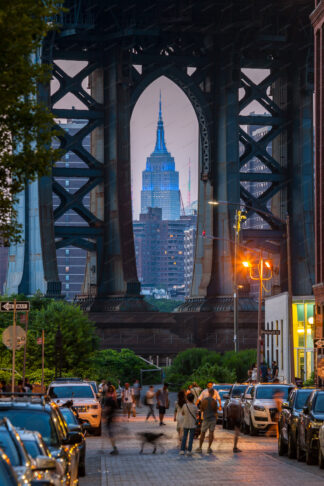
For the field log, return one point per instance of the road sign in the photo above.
(9, 306)
(7, 337)
(271, 332)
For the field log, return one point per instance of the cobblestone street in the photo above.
(257, 464)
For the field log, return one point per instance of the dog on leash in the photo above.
(151, 438)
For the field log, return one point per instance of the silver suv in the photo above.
(260, 410)
(84, 399)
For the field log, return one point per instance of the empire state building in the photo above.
(160, 180)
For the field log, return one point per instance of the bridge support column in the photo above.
(118, 287)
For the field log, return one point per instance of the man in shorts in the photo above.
(127, 400)
(209, 407)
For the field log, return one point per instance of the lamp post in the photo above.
(261, 265)
(286, 223)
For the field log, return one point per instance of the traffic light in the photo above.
(204, 233)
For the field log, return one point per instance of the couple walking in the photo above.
(162, 402)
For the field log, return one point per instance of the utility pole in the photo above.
(239, 217)
(290, 317)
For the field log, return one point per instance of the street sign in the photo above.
(9, 306)
(271, 332)
(7, 337)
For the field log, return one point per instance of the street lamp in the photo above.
(286, 223)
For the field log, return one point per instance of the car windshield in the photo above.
(71, 391)
(32, 448)
(319, 404)
(267, 392)
(6, 478)
(222, 393)
(36, 420)
(8, 446)
(301, 398)
(69, 416)
(238, 390)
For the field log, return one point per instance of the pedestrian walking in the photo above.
(178, 417)
(189, 412)
(162, 399)
(205, 393)
(195, 390)
(149, 402)
(275, 370)
(264, 372)
(127, 400)
(137, 393)
(109, 410)
(119, 392)
(209, 407)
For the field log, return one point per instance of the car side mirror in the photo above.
(75, 428)
(73, 438)
(305, 410)
(226, 396)
(248, 396)
(45, 462)
(285, 405)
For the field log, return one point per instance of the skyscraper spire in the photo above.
(160, 147)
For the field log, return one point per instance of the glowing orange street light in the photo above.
(246, 264)
(267, 264)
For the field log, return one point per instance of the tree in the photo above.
(79, 339)
(25, 122)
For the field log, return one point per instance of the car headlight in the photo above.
(259, 408)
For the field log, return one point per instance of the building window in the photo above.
(67, 269)
(67, 252)
(67, 183)
(67, 286)
(67, 277)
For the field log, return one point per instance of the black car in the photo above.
(310, 420)
(234, 394)
(288, 421)
(74, 425)
(46, 419)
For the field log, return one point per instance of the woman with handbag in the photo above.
(189, 412)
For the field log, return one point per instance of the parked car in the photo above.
(84, 400)
(45, 467)
(288, 421)
(235, 393)
(74, 425)
(222, 394)
(8, 477)
(260, 410)
(46, 419)
(321, 447)
(245, 397)
(223, 386)
(12, 445)
(309, 423)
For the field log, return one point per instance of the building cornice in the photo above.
(317, 16)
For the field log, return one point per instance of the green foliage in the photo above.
(79, 341)
(113, 365)
(163, 305)
(202, 365)
(310, 381)
(25, 122)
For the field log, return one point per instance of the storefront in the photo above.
(276, 348)
(303, 326)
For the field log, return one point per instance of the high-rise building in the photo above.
(160, 250)
(189, 256)
(71, 260)
(160, 180)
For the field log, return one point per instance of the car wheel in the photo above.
(309, 456)
(291, 447)
(320, 458)
(281, 445)
(253, 430)
(97, 431)
(299, 452)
